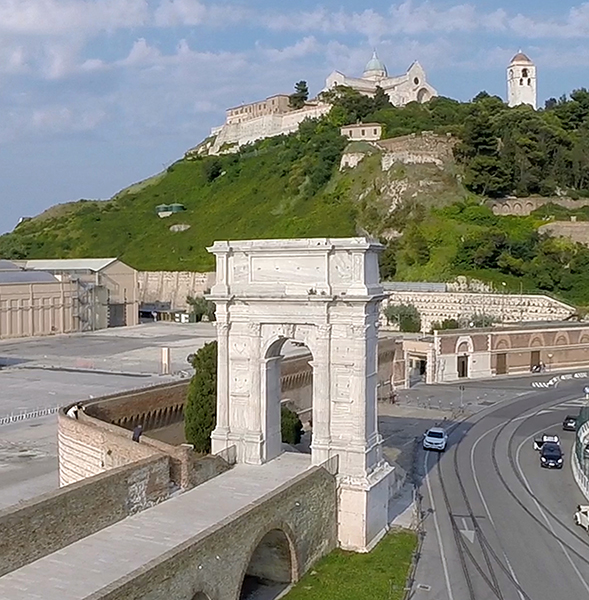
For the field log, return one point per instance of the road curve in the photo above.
(498, 526)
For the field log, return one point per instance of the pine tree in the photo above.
(300, 96)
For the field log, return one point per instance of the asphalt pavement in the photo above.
(497, 525)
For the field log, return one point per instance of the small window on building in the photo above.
(416, 81)
(521, 81)
(363, 132)
(529, 81)
(511, 72)
(524, 73)
(375, 131)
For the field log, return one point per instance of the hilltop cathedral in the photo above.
(273, 116)
(402, 89)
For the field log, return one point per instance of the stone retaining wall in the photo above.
(38, 527)
(507, 308)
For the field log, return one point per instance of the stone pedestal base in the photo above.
(363, 509)
(249, 447)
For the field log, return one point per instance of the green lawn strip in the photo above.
(378, 575)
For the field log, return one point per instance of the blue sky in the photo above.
(97, 94)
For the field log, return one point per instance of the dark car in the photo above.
(551, 456)
(569, 423)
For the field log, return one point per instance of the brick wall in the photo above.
(305, 509)
(36, 528)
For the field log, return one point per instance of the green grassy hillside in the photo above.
(280, 188)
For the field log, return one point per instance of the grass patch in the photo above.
(378, 575)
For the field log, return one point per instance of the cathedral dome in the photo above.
(375, 67)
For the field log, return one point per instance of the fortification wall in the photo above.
(524, 206)
(578, 231)
(265, 126)
(36, 528)
(172, 286)
(508, 308)
(89, 446)
(424, 148)
(304, 509)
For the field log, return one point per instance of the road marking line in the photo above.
(486, 506)
(541, 510)
(437, 526)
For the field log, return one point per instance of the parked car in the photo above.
(582, 516)
(546, 438)
(551, 456)
(569, 423)
(435, 438)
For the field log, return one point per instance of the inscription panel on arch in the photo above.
(298, 269)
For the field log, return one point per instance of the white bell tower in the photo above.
(521, 81)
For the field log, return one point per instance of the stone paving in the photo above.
(78, 570)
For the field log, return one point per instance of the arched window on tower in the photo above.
(511, 72)
(521, 81)
(525, 73)
(529, 81)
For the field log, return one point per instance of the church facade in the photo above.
(412, 86)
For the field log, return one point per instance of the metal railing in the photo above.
(30, 414)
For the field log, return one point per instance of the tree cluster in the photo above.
(200, 410)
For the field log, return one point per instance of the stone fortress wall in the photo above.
(172, 286)
(47, 523)
(236, 134)
(577, 231)
(507, 308)
(524, 206)
(414, 149)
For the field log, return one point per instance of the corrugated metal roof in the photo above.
(68, 264)
(6, 265)
(26, 277)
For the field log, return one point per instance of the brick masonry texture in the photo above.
(216, 561)
(38, 527)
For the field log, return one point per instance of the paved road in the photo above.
(497, 525)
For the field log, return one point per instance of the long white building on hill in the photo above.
(273, 116)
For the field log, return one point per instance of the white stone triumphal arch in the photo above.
(326, 294)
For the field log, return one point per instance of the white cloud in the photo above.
(58, 17)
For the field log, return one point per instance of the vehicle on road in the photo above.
(582, 516)
(569, 423)
(545, 439)
(551, 456)
(435, 438)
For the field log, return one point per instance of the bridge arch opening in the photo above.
(200, 596)
(271, 568)
(288, 378)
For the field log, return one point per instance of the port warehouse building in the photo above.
(45, 297)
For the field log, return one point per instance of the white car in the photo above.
(435, 438)
(582, 516)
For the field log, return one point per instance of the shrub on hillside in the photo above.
(201, 403)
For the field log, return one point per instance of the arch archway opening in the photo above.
(270, 569)
(200, 596)
(289, 387)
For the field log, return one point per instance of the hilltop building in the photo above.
(274, 116)
(401, 89)
(521, 81)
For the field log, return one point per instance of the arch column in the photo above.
(321, 444)
(220, 436)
